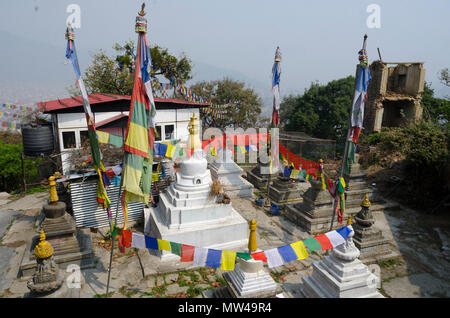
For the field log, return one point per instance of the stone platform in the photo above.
(71, 245)
(258, 176)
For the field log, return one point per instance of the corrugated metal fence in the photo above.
(88, 213)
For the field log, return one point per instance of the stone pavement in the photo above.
(421, 271)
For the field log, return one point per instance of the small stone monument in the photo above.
(188, 212)
(259, 175)
(71, 246)
(229, 175)
(249, 279)
(314, 213)
(286, 191)
(47, 276)
(357, 186)
(368, 239)
(341, 275)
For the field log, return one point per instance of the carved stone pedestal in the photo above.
(285, 192)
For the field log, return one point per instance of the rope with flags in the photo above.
(276, 73)
(103, 182)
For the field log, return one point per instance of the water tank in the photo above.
(37, 140)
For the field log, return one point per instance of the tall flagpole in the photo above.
(346, 149)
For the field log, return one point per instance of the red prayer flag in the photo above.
(324, 242)
(259, 256)
(187, 253)
(126, 238)
(121, 246)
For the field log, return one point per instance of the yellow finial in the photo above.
(365, 203)
(252, 246)
(44, 249)
(53, 194)
(194, 140)
(349, 220)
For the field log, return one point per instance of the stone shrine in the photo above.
(229, 175)
(259, 175)
(189, 213)
(368, 239)
(314, 213)
(71, 246)
(284, 190)
(47, 276)
(357, 186)
(341, 275)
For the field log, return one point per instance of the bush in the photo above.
(11, 167)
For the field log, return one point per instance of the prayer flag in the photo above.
(187, 253)
(175, 248)
(273, 258)
(200, 255)
(294, 174)
(140, 136)
(300, 250)
(213, 258)
(228, 260)
(126, 238)
(335, 238)
(324, 242)
(276, 73)
(151, 242)
(244, 256)
(312, 244)
(138, 241)
(344, 231)
(163, 245)
(103, 137)
(288, 253)
(259, 256)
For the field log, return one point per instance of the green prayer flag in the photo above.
(312, 244)
(176, 248)
(244, 256)
(116, 140)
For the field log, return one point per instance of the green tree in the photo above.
(445, 77)
(435, 109)
(115, 75)
(322, 111)
(248, 104)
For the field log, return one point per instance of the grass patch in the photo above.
(390, 263)
(103, 295)
(39, 188)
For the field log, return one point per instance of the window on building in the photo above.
(169, 132)
(84, 137)
(69, 139)
(158, 133)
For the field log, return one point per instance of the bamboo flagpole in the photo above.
(356, 117)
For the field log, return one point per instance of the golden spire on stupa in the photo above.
(44, 249)
(194, 139)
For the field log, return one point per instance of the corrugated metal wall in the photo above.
(88, 213)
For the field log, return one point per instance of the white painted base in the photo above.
(229, 175)
(229, 233)
(335, 278)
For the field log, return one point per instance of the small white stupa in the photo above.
(187, 213)
(341, 275)
(229, 175)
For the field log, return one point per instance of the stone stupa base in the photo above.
(333, 278)
(227, 233)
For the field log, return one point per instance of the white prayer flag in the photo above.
(200, 255)
(335, 238)
(273, 258)
(138, 241)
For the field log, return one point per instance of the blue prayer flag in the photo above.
(288, 253)
(151, 242)
(344, 231)
(213, 258)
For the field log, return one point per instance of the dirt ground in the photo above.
(421, 271)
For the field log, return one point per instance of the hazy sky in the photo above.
(319, 40)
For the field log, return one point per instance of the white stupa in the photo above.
(229, 175)
(188, 214)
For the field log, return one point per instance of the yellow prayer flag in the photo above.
(164, 245)
(243, 150)
(294, 173)
(213, 152)
(342, 181)
(228, 260)
(155, 176)
(103, 137)
(170, 150)
(324, 185)
(300, 250)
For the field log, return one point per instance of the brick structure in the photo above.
(394, 94)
